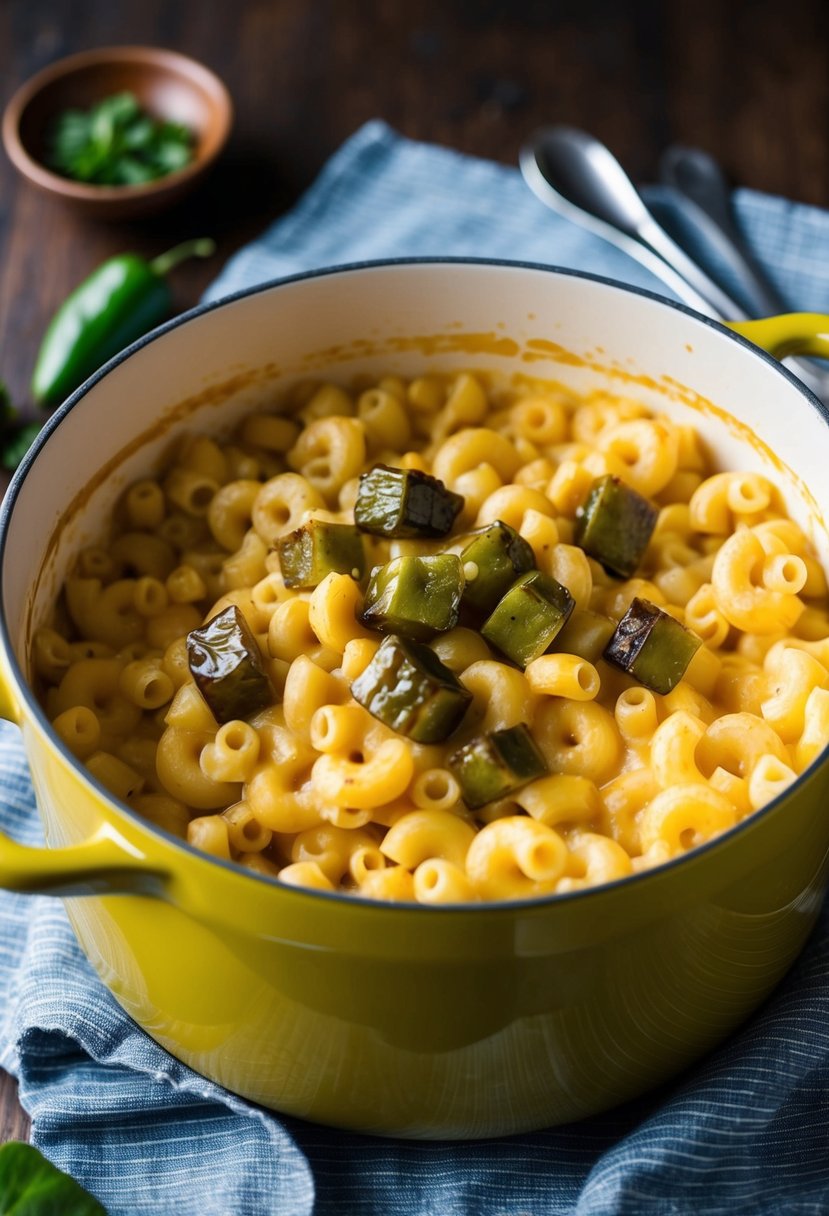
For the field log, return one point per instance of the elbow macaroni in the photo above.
(316, 792)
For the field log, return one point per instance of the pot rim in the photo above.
(25, 693)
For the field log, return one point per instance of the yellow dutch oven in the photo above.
(398, 1019)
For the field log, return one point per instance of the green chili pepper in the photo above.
(651, 646)
(226, 664)
(496, 764)
(120, 301)
(497, 555)
(404, 502)
(416, 597)
(408, 688)
(615, 525)
(525, 620)
(316, 549)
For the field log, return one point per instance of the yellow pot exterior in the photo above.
(442, 1023)
(399, 1019)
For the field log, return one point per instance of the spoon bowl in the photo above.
(576, 175)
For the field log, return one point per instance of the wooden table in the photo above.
(742, 79)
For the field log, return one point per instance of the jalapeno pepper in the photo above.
(124, 298)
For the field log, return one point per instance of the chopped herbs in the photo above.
(227, 667)
(408, 688)
(651, 646)
(416, 597)
(404, 503)
(317, 549)
(615, 524)
(117, 143)
(496, 764)
(526, 620)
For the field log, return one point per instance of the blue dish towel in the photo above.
(747, 1131)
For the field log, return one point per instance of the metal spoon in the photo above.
(580, 178)
(695, 175)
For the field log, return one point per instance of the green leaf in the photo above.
(117, 143)
(31, 1186)
(140, 133)
(13, 448)
(130, 171)
(170, 156)
(119, 109)
(175, 131)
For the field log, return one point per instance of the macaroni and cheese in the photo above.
(530, 759)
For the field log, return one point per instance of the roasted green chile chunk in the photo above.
(615, 525)
(404, 502)
(226, 664)
(416, 597)
(651, 646)
(526, 620)
(320, 548)
(408, 688)
(498, 555)
(496, 764)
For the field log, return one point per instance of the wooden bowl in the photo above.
(167, 85)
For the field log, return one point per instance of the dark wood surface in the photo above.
(748, 80)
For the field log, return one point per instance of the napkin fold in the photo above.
(747, 1130)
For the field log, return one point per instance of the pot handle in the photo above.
(793, 333)
(104, 865)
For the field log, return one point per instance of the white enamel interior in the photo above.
(290, 327)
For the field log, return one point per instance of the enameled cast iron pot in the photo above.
(414, 1021)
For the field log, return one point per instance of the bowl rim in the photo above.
(161, 58)
(538, 904)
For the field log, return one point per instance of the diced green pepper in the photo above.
(496, 764)
(317, 549)
(615, 525)
(526, 620)
(404, 502)
(497, 555)
(408, 688)
(226, 664)
(651, 646)
(416, 597)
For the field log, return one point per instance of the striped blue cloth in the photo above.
(747, 1131)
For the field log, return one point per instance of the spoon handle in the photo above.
(630, 245)
(633, 228)
(697, 176)
(656, 238)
